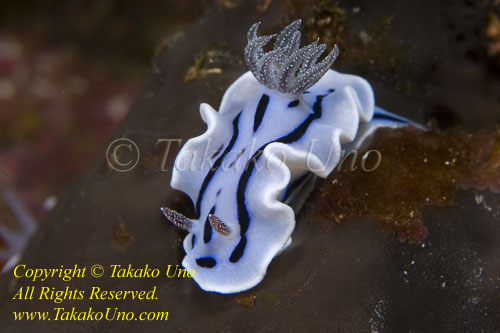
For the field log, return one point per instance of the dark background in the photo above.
(89, 62)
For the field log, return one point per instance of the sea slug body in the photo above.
(278, 125)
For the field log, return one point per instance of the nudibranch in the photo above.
(278, 125)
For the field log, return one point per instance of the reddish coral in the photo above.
(57, 113)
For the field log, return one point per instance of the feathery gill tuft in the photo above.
(287, 67)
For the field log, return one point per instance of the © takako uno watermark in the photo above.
(123, 155)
